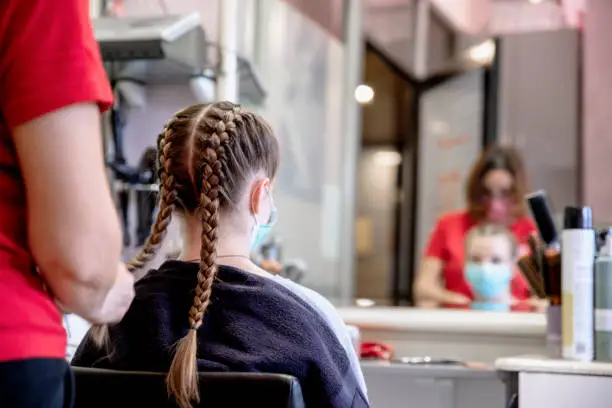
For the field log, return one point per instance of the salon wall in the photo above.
(302, 67)
(554, 120)
(597, 100)
(450, 142)
(376, 222)
(539, 108)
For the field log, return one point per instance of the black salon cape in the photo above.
(253, 324)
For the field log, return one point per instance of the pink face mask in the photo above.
(498, 210)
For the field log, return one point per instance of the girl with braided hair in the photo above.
(214, 309)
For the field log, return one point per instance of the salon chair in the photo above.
(95, 388)
(130, 175)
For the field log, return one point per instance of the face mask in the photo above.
(488, 281)
(498, 210)
(261, 231)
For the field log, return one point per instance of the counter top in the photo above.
(542, 364)
(427, 371)
(447, 321)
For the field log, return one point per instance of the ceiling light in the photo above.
(387, 158)
(482, 53)
(364, 94)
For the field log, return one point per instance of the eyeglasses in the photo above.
(503, 194)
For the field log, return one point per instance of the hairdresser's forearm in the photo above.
(81, 299)
(428, 289)
(73, 227)
(79, 260)
(434, 294)
(431, 293)
(80, 275)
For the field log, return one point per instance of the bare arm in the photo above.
(428, 288)
(73, 228)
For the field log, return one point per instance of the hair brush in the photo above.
(533, 275)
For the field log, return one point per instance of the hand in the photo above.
(118, 299)
(536, 304)
(458, 299)
(523, 250)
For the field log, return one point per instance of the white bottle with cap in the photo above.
(603, 301)
(577, 259)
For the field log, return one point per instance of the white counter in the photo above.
(445, 320)
(392, 385)
(460, 334)
(545, 382)
(542, 364)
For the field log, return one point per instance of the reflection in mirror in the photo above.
(461, 149)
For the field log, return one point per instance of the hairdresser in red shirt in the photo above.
(495, 189)
(60, 239)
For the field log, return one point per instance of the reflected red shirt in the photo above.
(48, 60)
(447, 243)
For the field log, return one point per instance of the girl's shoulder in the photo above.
(318, 302)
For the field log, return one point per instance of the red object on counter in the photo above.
(49, 60)
(377, 350)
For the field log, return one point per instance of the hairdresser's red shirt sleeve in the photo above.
(48, 60)
(447, 243)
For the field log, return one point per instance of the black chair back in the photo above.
(96, 388)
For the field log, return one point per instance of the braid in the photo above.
(182, 378)
(99, 333)
(166, 206)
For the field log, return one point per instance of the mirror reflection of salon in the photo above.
(513, 99)
(525, 110)
(494, 192)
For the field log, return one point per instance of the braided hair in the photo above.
(206, 154)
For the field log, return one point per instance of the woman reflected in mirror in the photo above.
(494, 192)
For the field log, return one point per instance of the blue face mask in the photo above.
(488, 281)
(261, 231)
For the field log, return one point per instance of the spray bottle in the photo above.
(603, 301)
(577, 263)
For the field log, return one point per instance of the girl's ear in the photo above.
(258, 192)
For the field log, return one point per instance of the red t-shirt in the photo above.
(49, 59)
(447, 243)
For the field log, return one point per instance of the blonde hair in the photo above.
(491, 230)
(205, 155)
